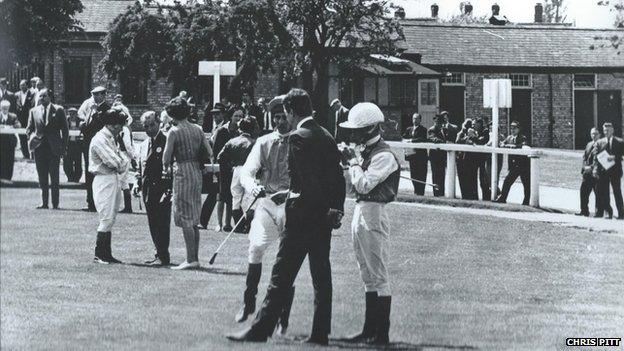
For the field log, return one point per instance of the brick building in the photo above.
(564, 80)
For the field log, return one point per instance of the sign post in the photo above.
(216, 69)
(496, 94)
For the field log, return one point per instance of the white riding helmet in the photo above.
(364, 114)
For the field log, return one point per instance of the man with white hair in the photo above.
(155, 189)
(375, 178)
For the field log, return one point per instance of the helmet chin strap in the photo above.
(366, 136)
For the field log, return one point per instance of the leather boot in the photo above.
(383, 321)
(108, 253)
(237, 214)
(282, 325)
(127, 201)
(100, 252)
(368, 331)
(254, 271)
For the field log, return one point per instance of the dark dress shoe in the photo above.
(42, 207)
(598, 215)
(583, 214)
(317, 340)
(246, 336)
(227, 228)
(55, 208)
(620, 217)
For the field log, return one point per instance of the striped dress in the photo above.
(187, 175)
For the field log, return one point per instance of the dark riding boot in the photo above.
(254, 271)
(127, 201)
(237, 214)
(108, 253)
(383, 321)
(368, 331)
(100, 249)
(282, 325)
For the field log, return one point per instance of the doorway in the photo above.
(452, 101)
(521, 111)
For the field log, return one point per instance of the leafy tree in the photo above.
(554, 11)
(615, 41)
(29, 27)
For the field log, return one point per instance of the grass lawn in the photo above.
(458, 280)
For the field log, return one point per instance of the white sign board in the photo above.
(222, 68)
(497, 93)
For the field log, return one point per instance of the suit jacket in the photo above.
(617, 150)
(416, 135)
(342, 134)
(437, 135)
(9, 140)
(315, 174)
(94, 124)
(451, 131)
(256, 111)
(10, 97)
(54, 133)
(24, 109)
(151, 173)
(517, 142)
(588, 159)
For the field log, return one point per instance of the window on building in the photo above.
(585, 81)
(453, 78)
(521, 80)
(402, 91)
(428, 93)
(133, 89)
(351, 90)
(77, 78)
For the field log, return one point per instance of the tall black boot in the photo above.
(100, 249)
(383, 321)
(282, 326)
(127, 195)
(368, 331)
(108, 253)
(237, 214)
(254, 271)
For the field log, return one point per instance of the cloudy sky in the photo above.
(585, 13)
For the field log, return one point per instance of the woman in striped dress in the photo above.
(184, 152)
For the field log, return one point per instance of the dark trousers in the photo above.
(611, 178)
(72, 162)
(484, 178)
(293, 248)
(47, 165)
(88, 180)
(587, 186)
(418, 170)
(159, 220)
(438, 170)
(525, 177)
(23, 140)
(467, 174)
(207, 208)
(7, 156)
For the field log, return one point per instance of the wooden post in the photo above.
(449, 180)
(534, 201)
(216, 86)
(494, 169)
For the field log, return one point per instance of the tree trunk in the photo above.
(321, 90)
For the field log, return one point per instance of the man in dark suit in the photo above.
(483, 137)
(614, 147)
(91, 112)
(417, 158)
(341, 113)
(155, 188)
(451, 130)
(437, 134)
(24, 99)
(589, 182)
(7, 141)
(519, 166)
(48, 135)
(5, 94)
(313, 208)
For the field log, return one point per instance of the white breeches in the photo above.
(107, 198)
(239, 198)
(370, 232)
(266, 227)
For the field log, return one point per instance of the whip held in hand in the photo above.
(435, 186)
(214, 256)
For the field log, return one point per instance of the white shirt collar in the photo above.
(373, 140)
(4, 117)
(303, 121)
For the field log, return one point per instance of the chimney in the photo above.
(399, 13)
(434, 10)
(468, 8)
(495, 9)
(539, 13)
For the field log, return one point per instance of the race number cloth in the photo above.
(603, 158)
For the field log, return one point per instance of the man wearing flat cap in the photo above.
(519, 166)
(107, 163)
(91, 112)
(47, 138)
(375, 176)
(72, 163)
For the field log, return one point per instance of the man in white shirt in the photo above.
(375, 177)
(269, 159)
(107, 163)
(611, 177)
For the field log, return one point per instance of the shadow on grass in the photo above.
(200, 269)
(340, 344)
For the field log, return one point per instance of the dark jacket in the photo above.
(153, 183)
(451, 131)
(23, 109)
(316, 174)
(617, 150)
(517, 142)
(10, 97)
(436, 135)
(54, 131)
(94, 124)
(416, 135)
(588, 159)
(221, 137)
